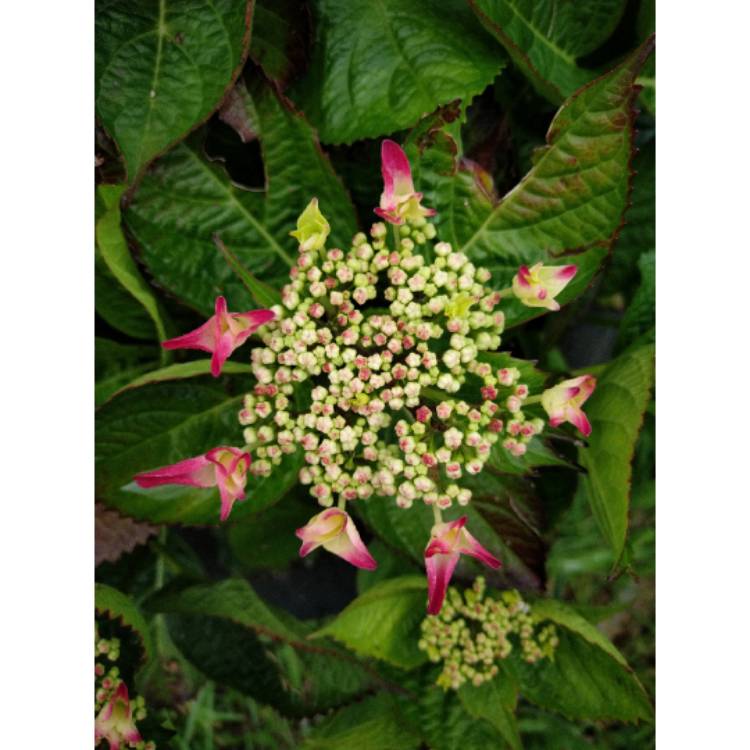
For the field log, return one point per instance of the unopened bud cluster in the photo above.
(107, 680)
(363, 364)
(472, 633)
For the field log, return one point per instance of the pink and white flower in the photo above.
(539, 285)
(222, 333)
(115, 721)
(335, 531)
(399, 201)
(448, 542)
(563, 402)
(225, 467)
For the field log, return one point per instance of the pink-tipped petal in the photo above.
(395, 169)
(470, 546)
(194, 472)
(222, 352)
(577, 418)
(351, 548)
(254, 319)
(439, 571)
(566, 273)
(335, 531)
(523, 276)
(231, 475)
(201, 338)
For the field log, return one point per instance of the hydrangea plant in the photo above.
(374, 431)
(363, 365)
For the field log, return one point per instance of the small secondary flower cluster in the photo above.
(115, 713)
(471, 634)
(366, 365)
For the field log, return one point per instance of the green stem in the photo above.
(160, 569)
(532, 400)
(507, 292)
(342, 502)
(437, 514)
(396, 236)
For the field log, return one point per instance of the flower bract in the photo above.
(221, 334)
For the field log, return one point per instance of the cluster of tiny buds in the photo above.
(472, 633)
(362, 366)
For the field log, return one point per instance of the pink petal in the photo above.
(254, 319)
(470, 546)
(396, 170)
(577, 418)
(439, 571)
(195, 472)
(201, 338)
(335, 531)
(523, 276)
(224, 348)
(390, 216)
(566, 273)
(351, 548)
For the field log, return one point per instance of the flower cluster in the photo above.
(472, 633)
(115, 713)
(373, 365)
(385, 340)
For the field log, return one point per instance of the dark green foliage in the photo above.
(520, 120)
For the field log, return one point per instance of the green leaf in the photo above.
(229, 633)
(374, 724)
(640, 315)
(584, 680)
(537, 454)
(114, 252)
(117, 307)
(377, 67)
(569, 207)
(161, 423)
(615, 411)
(162, 68)
(115, 365)
(494, 701)
(460, 190)
(645, 26)
(192, 369)
(185, 199)
(638, 235)
(266, 539)
(279, 38)
(562, 614)
(445, 724)
(384, 622)
(262, 294)
(118, 606)
(545, 40)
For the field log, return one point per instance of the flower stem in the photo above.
(437, 514)
(532, 400)
(342, 502)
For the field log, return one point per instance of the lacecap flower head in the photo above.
(372, 367)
